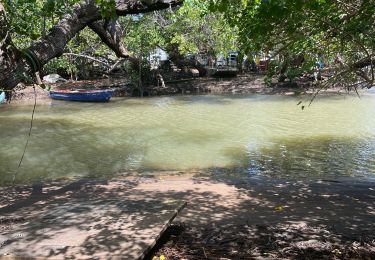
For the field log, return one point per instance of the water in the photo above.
(238, 135)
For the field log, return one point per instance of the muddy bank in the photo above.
(242, 84)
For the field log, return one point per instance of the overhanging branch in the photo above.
(111, 35)
(13, 67)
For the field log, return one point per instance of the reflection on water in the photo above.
(324, 158)
(252, 135)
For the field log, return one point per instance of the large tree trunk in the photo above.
(14, 64)
(11, 64)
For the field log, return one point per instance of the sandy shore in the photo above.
(233, 218)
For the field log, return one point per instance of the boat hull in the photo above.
(82, 95)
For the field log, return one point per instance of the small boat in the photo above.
(84, 95)
(2, 97)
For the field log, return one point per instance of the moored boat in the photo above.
(84, 95)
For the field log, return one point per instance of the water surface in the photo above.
(248, 135)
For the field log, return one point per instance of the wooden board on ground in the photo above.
(90, 229)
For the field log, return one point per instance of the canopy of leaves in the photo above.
(30, 19)
(192, 28)
(339, 33)
(195, 29)
(189, 29)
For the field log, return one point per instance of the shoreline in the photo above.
(240, 85)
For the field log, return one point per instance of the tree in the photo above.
(16, 64)
(340, 34)
(190, 29)
(195, 29)
(142, 37)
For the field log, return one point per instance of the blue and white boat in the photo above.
(83, 95)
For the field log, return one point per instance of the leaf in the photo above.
(49, 7)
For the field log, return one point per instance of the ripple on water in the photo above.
(251, 135)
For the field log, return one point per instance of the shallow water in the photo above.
(236, 135)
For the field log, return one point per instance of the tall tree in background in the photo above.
(197, 29)
(190, 29)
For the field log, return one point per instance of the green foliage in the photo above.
(133, 72)
(30, 19)
(321, 29)
(142, 37)
(193, 28)
(189, 29)
(107, 7)
(60, 65)
(196, 29)
(143, 34)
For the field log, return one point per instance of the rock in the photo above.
(53, 78)
(194, 72)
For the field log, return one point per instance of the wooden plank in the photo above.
(167, 224)
(120, 228)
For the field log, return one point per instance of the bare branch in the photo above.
(86, 57)
(114, 66)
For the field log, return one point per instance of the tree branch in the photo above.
(13, 65)
(86, 57)
(125, 7)
(112, 38)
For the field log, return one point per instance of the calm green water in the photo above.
(244, 135)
